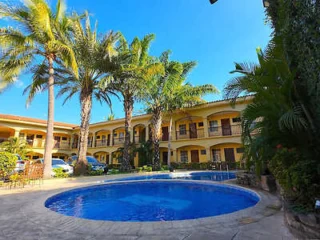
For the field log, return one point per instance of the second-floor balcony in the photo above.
(225, 130)
(118, 141)
(102, 143)
(61, 145)
(190, 134)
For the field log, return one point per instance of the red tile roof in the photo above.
(34, 120)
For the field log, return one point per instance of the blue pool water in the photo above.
(208, 176)
(151, 201)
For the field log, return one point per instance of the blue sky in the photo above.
(215, 36)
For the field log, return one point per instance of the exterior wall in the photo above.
(106, 137)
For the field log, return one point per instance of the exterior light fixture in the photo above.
(266, 3)
(213, 1)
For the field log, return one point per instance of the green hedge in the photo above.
(7, 163)
(206, 166)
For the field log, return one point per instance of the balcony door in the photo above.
(57, 140)
(226, 127)
(195, 156)
(193, 130)
(165, 133)
(229, 155)
(165, 158)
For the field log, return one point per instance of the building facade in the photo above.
(207, 132)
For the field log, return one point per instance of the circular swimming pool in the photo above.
(217, 176)
(151, 201)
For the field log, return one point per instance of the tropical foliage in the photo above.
(284, 110)
(15, 145)
(7, 163)
(165, 93)
(135, 66)
(94, 58)
(40, 34)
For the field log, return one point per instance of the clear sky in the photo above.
(215, 36)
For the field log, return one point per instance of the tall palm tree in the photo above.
(40, 34)
(94, 57)
(168, 92)
(135, 67)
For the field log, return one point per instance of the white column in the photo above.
(111, 138)
(93, 139)
(147, 132)
(208, 154)
(205, 126)
(17, 133)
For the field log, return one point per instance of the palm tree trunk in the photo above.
(128, 108)
(169, 142)
(49, 137)
(156, 125)
(86, 105)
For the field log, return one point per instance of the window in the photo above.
(35, 157)
(240, 150)
(203, 152)
(38, 136)
(216, 154)
(236, 120)
(183, 129)
(121, 135)
(213, 126)
(98, 137)
(171, 153)
(64, 138)
(184, 156)
(200, 124)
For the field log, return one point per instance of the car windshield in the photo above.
(58, 162)
(92, 160)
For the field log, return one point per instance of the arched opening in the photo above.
(75, 141)
(139, 133)
(62, 156)
(191, 127)
(102, 157)
(227, 152)
(34, 155)
(118, 136)
(34, 138)
(103, 138)
(224, 123)
(191, 154)
(5, 133)
(61, 141)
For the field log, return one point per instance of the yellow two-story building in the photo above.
(207, 132)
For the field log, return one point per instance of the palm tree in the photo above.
(94, 58)
(135, 67)
(16, 146)
(168, 92)
(40, 34)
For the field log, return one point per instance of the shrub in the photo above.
(147, 168)
(7, 163)
(96, 172)
(59, 173)
(113, 171)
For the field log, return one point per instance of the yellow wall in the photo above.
(202, 113)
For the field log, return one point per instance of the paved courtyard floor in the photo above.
(23, 216)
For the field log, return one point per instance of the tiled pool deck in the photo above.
(23, 216)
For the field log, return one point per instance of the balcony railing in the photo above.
(225, 130)
(193, 134)
(75, 144)
(102, 143)
(61, 145)
(118, 141)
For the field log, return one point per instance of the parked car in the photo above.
(59, 163)
(20, 164)
(96, 165)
